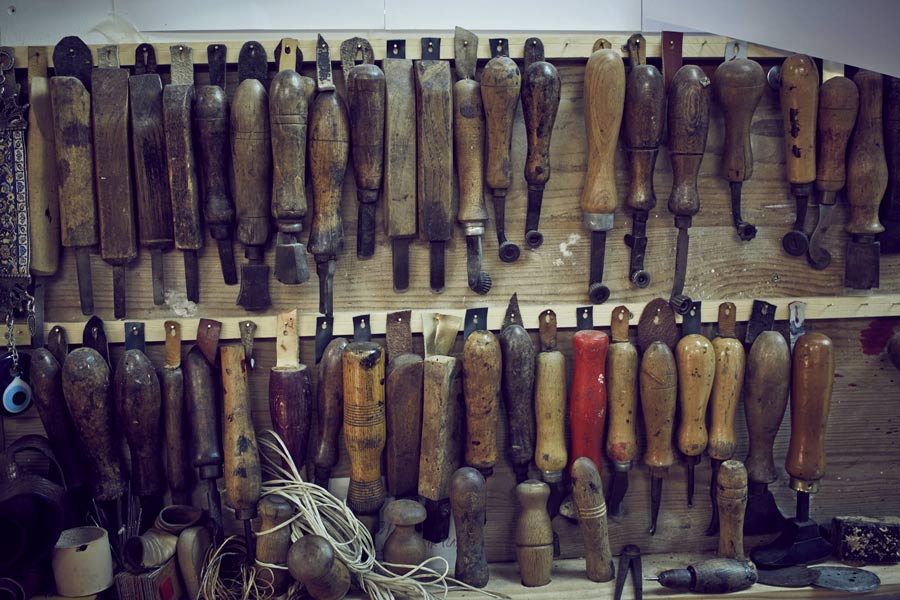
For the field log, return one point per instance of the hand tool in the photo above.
(812, 375)
(789, 577)
(201, 406)
(288, 115)
(178, 100)
(151, 182)
(534, 533)
(731, 500)
(482, 365)
(364, 422)
(290, 391)
(366, 90)
(738, 84)
(604, 102)
(587, 400)
(867, 178)
(329, 410)
(312, 562)
(403, 409)
(846, 579)
(622, 387)
(404, 546)
(658, 381)
(696, 362)
(211, 124)
(766, 387)
(251, 162)
(434, 160)
(517, 363)
(468, 138)
(112, 169)
(868, 540)
(500, 84)
(799, 93)
(587, 491)
(715, 576)
(177, 434)
(644, 120)
(838, 107)
(242, 470)
(688, 120)
(540, 103)
(550, 453)
(468, 497)
(70, 100)
(726, 393)
(329, 147)
(630, 560)
(248, 331)
(399, 158)
(890, 205)
(273, 547)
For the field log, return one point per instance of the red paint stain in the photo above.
(874, 338)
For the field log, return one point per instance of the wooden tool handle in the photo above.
(329, 408)
(838, 107)
(587, 402)
(696, 362)
(799, 103)
(211, 123)
(658, 390)
(434, 143)
(400, 149)
(500, 84)
(364, 426)
(243, 476)
(200, 395)
(644, 121)
(290, 94)
(329, 149)
(688, 118)
(481, 367)
(622, 388)
(540, 103)
(43, 198)
(812, 375)
(312, 562)
(139, 407)
(178, 468)
(739, 85)
(273, 547)
(403, 410)
(867, 172)
(766, 387)
(731, 496)
(178, 103)
(251, 161)
(404, 546)
(468, 137)
(550, 454)
(468, 500)
(534, 533)
(714, 576)
(290, 406)
(365, 103)
(729, 379)
(587, 492)
(517, 351)
(604, 101)
(441, 430)
(891, 141)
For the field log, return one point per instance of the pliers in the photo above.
(630, 560)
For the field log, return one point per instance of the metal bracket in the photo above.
(324, 328)
(796, 320)
(584, 317)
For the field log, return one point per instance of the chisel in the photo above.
(550, 454)
(517, 354)
(622, 388)
(177, 433)
(482, 374)
(403, 408)
(329, 410)
(290, 392)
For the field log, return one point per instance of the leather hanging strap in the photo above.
(671, 54)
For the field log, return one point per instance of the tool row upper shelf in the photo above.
(555, 47)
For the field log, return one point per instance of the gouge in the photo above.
(534, 533)
(644, 121)
(517, 359)
(622, 388)
(482, 373)
(434, 160)
(587, 400)
(177, 433)
(404, 546)
(329, 410)
(403, 409)
(289, 100)
(112, 169)
(715, 576)
(550, 454)
(731, 499)
(468, 497)
(329, 148)
(540, 103)
(290, 391)
(365, 105)
(587, 491)
(867, 177)
(890, 206)
(500, 85)
(70, 100)
(399, 158)
(313, 563)
(248, 333)
(468, 138)
(273, 547)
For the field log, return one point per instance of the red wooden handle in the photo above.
(587, 403)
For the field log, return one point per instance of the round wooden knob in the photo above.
(404, 546)
(534, 533)
(312, 562)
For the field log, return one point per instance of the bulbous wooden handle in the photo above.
(739, 85)
(329, 150)
(688, 118)
(365, 105)
(468, 138)
(481, 367)
(838, 108)
(550, 454)
(290, 407)
(518, 356)
(622, 371)
(867, 174)
(251, 161)
(766, 387)
(312, 562)
(645, 118)
(139, 406)
(799, 103)
(729, 379)
(696, 362)
(731, 497)
(540, 103)
(201, 399)
(587, 403)
(587, 491)
(658, 391)
(329, 408)
(211, 123)
(604, 101)
(273, 547)
(468, 500)
(500, 84)
(534, 533)
(243, 476)
(812, 376)
(290, 94)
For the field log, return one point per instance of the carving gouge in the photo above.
(550, 454)
(622, 388)
(517, 352)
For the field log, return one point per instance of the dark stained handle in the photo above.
(178, 103)
(251, 161)
(587, 492)
(867, 172)
(178, 467)
(799, 102)
(201, 401)
(312, 562)
(329, 408)
(468, 137)
(540, 103)
(434, 142)
(812, 376)
(243, 476)
(468, 501)
(766, 387)
(587, 402)
(290, 94)
(329, 149)
(273, 547)
(500, 85)
(838, 107)
(139, 406)
(366, 104)
(211, 123)
(892, 141)
(518, 359)
(644, 121)
(658, 390)
(604, 101)
(403, 411)
(688, 119)
(739, 85)
(481, 367)
(290, 407)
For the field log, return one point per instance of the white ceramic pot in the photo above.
(82, 562)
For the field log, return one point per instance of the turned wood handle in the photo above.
(400, 148)
(838, 107)
(43, 190)
(211, 123)
(604, 102)
(404, 546)
(658, 390)
(243, 477)
(178, 103)
(622, 392)
(812, 376)
(696, 361)
(550, 453)
(799, 102)
(289, 97)
(534, 533)
(867, 174)
(891, 141)
(729, 379)
(441, 429)
(518, 356)
(766, 387)
(329, 407)
(540, 103)
(468, 500)
(587, 402)
(590, 506)
(468, 137)
(178, 468)
(481, 367)
(201, 401)
(365, 103)
(434, 143)
(644, 120)
(364, 424)
(329, 149)
(273, 547)
(312, 561)
(731, 497)
(500, 85)
(739, 85)
(688, 118)
(251, 162)
(139, 407)
(403, 411)
(290, 407)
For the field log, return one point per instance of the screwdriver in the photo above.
(550, 453)
(517, 353)
(622, 388)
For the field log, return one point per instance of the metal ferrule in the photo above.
(803, 485)
(551, 476)
(473, 228)
(622, 466)
(598, 221)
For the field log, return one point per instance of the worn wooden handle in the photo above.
(501, 81)
(644, 121)
(481, 367)
(329, 408)
(400, 149)
(892, 141)
(365, 103)
(604, 102)
(799, 103)
(440, 426)
(468, 137)
(812, 376)
(243, 476)
(688, 118)
(540, 103)
(838, 107)
(731, 497)
(468, 500)
(43, 191)
(290, 407)
(766, 387)
(434, 143)
(534, 533)
(587, 492)
(403, 410)
(658, 390)
(201, 400)
(178, 468)
(184, 191)
(312, 562)
(696, 361)
(867, 174)
(329, 149)
(251, 161)
(273, 547)
(211, 123)
(404, 546)
(622, 388)
(290, 94)
(739, 85)
(587, 402)
(518, 355)
(139, 407)
(729, 379)
(550, 453)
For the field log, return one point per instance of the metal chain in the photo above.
(11, 343)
